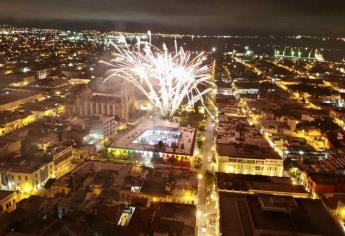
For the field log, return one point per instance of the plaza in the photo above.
(144, 139)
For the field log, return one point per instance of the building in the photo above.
(29, 113)
(9, 147)
(130, 182)
(338, 117)
(62, 158)
(256, 214)
(103, 126)
(325, 183)
(248, 159)
(26, 175)
(164, 218)
(280, 186)
(10, 121)
(87, 103)
(245, 87)
(163, 185)
(10, 99)
(91, 131)
(177, 142)
(41, 74)
(8, 201)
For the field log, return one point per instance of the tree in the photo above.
(210, 179)
(49, 183)
(159, 147)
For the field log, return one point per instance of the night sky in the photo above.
(321, 17)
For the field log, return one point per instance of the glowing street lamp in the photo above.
(198, 213)
(292, 53)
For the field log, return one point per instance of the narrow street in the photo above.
(206, 213)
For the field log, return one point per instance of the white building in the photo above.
(248, 159)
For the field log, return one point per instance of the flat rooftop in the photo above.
(4, 194)
(177, 140)
(9, 116)
(239, 182)
(157, 181)
(24, 164)
(164, 218)
(8, 96)
(242, 214)
(246, 151)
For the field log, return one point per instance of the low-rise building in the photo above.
(248, 159)
(280, 186)
(10, 99)
(130, 182)
(62, 158)
(156, 138)
(88, 103)
(256, 214)
(325, 183)
(102, 127)
(26, 175)
(8, 201)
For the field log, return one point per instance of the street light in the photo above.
(198, 213)
(342, 213)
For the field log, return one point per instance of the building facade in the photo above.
(26, 180)
(249, 165)
(88, 103)
(63, 161)
(8, 201)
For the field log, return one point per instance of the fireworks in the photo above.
(169, 80)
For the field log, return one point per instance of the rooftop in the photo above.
(245, 214)
(239, 182)
(8, 96)
(148, 133)
(4, 194)
(158, 182)
(246, 151)
(24, 164)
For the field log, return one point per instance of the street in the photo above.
(206, 210)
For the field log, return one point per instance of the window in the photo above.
(19, 177)
(104, 109)
(93, 108)
(26, 178)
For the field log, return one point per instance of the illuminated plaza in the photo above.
(146, 137)
(153, 137)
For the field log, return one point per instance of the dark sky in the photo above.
(217, 16)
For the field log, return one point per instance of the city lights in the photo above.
(196, 134)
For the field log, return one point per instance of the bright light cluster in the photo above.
(166, 78)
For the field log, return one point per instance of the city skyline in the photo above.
(184, 118)
(245, 17)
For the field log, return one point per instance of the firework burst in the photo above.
(169, 80)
